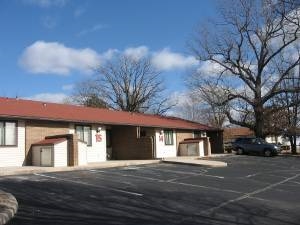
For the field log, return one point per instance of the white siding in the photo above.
(96, 152)
(162, 150)
(82, 153)
(14, 156)
(60, 154)
(201, 148)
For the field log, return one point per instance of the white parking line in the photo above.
(179, 172)
(295, 182)
(265, 173)
(188, 173)
(210, 210)
(88, 184)
(252, 175)
(181, 178)
(129, 175)
(172, 181)
(272, 171)
(205, 187)
(207, 175)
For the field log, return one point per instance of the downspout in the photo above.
(153, 147)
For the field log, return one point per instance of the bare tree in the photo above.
(128, 84)
(196, 106)
(86, 93)
(252, 49)
(189, 107)
(289, 105)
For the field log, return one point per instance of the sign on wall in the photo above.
(98, 137)
(161, 138)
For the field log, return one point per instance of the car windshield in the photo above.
(260, 140)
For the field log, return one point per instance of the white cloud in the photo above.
(179, 98)
(68, 87)
(92, 29)
(55, 58)
(46, 3)
(209, 68)
(109, 54)
(136, 53)
(167, 60)
(49, 97)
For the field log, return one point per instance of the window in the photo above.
(8, 133)
(140, 132)
(168, 137)
(84, 134)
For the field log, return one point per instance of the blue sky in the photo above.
(49, 45)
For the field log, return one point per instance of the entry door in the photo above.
(46, 156)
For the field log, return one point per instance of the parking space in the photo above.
(251, 190)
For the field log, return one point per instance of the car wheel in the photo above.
(240, 151)
(267, 153)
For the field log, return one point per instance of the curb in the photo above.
(31, 170)
(198, 162)
(8, 207)
(195, 161)
(289, 155)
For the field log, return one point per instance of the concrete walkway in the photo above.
(8, 207)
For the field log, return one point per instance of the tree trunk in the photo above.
(259, 122)
(293, 144)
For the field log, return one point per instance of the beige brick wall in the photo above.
(181, 135)
(126, 145)
(73, 150)
(38, 130)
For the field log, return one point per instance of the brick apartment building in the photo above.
(49, 134)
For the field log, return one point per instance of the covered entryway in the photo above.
(130, 142)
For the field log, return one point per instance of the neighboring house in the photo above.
(232, 133)
(49, 134)
(277, 139)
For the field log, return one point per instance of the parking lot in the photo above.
(251, 190)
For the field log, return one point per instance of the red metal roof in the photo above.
(51, 141)
(27, 109)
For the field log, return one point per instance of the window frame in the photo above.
(83, 126)
(16, 133)
(168, 132)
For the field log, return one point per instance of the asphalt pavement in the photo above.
(250, 190)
